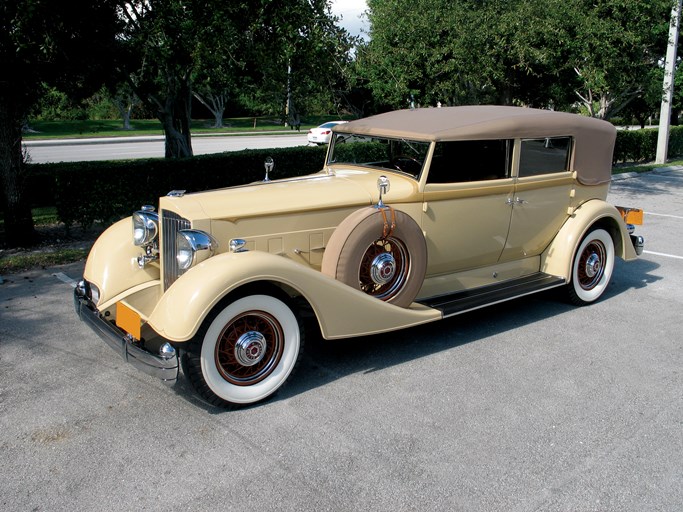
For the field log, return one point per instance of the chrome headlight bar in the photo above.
(145, 234)
(194, 246)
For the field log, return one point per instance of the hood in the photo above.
(343, 188)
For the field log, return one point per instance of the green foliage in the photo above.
(257, 53)
(89, 192)
(524, 52)
(67, 46)
(361, 152)
(641, 145)
(21, 262)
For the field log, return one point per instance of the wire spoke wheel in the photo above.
(384, 268)
(592, 264)
(249, 348)
(245, 350)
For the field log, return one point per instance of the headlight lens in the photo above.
(145, 227)
(193, 247)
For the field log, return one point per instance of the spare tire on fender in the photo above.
(379, 251)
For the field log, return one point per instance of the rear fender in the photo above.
(557, 258)
(341, 310)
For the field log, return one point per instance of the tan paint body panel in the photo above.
(478, 233)
(112, 266)
(341, 310)
(557, 258)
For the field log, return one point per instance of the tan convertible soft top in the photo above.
(593, 138)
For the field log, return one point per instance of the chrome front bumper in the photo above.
(164, 367)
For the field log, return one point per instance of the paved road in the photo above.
(528, 405)
(125, 148)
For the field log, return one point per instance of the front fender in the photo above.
(341, 310)
(557, 258)
(112, 264)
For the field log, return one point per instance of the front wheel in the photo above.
(246, 352)
(591, 268)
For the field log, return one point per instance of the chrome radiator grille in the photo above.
(171, 223)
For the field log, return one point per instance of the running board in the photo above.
(476, 298)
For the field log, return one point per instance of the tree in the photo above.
(614, 49)
(125, 100)
(524, 52)
(158, 43)
(297, 56)
(213, 49)
(455, 52)
(70, 48)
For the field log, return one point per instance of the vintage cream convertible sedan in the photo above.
(417, 215)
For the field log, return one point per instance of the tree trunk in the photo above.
(19, 230)
(216, 104)
(175, 115)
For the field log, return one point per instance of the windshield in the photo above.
(401, 155)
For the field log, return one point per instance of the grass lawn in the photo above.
(114, 128)
(622, 168)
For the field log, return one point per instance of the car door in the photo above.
(466, 212)
(542, 194)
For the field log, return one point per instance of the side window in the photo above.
(470, 160)
(544, 156)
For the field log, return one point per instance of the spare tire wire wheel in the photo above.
(379, 251)
(384, 268)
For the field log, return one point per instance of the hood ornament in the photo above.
(268, 164)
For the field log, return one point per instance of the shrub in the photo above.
(85, 192)
(641, 145)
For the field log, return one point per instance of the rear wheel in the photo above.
(592, 268)
(246, 352)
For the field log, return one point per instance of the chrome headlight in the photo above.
(194, 246)
(145, 227)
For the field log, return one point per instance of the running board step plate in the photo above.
(476, 298)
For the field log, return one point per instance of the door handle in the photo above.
(518, 200)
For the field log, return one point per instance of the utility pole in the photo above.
(288, 105)
(668, 85)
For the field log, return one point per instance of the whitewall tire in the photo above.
(592, 267)
(246, 352)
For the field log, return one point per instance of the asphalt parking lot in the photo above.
(528, 405)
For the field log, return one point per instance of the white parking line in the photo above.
(663, 254)
(65, 279)
(664, 215)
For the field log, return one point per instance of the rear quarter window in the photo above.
(544, 156)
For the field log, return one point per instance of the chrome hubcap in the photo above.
(383, 268)
(250, 348)
(593, 265)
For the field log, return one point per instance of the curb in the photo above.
(627, 175)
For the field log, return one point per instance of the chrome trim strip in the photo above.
(164, 368)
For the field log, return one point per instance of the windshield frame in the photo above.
(414, 161)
